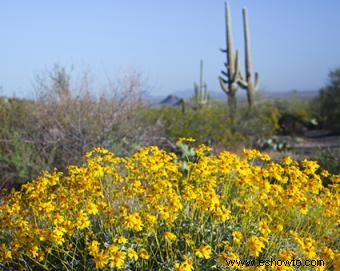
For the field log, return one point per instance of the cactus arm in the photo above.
(195, 98)
(224, 73)
(224, 85)
(205, 93)
(257, 81)
(242, 84)
(196, 88)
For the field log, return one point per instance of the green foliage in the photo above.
(214, 126)
(296, 106)
(63, 123)
(329, 102)
(295, 115)
(208, 125)
(185, 153)
(19, 161)
(328, 159)
(261, 123)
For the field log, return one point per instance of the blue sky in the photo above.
(294, 43)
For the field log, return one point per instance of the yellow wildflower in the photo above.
(132, 254)
(101, 259)
(184, 139)
(117, 259)
(133, 221)
(119, 239)
(237, 237)
(5, 253)
(82, 220)
(169, 236)
(277, 228)
(143, 254)
(186, 265)
(93, 248)
(92, 208)
(204, 251)
(263, 227)
(255, 245)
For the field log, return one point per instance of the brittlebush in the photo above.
(144, 213)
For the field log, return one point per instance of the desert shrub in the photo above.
(19, 158)
(261, 122)
(212, 125)
(142, 213)
(328, 159)
(66, 120)
(209, 125)
(328, 102)
(14, 114)
(296, 115)
(19, 161)
(77, 121)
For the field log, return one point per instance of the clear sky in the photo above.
(294, 43)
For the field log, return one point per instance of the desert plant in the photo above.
(142, 213)
(296, 114)
(247, 83)
(230, 85)
(65, 120)
(201, 95)
(263, 122)
(233, 74)
(210, 125)
(329, 102)
(19, 161)
(273, 144)
(77, 121)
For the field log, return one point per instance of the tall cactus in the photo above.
(247, 83)
(201, 96)
(230, 85)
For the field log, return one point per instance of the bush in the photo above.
(261, 122)
(329, 102)
(20, 159)
(209, 125)
(65, 121)
(143, 213)
(328, 159)
(295, 115)
(212, 125)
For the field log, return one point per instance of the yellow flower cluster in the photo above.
(143, 213)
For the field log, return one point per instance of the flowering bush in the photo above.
(143, 213)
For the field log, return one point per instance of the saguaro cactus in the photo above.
(201, 96)
(247, 83)
(230, 85)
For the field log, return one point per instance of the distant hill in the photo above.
(181, 95)
(172, 100)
